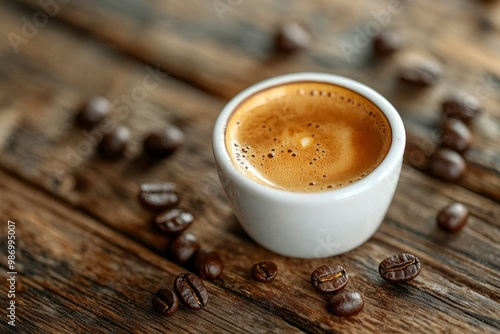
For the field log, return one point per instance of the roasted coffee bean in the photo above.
(346, 304)
(183, 248)
(400, 268)
(159, 201)
(447, 165)
(457, 136)
(462, 106)
(165, 302)
(453, 217)
(264, 271)
(158, 196)
(485, 23)
(292, 37)
(163, 143)
(388, 42)
(160, 187)
(93, 112)
(191, 291)
(114, 144)
(208, 264)
(329, 278)
(174, 221)
(421, 71)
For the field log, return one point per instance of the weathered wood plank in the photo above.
(225, 53)
(456, 290)
(75, 276)
(167, 32)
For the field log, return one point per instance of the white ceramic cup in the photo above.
(314, 224)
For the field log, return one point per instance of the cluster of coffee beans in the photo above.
(114, 143)
(332, 279)
(458, 110)
(184, 249)
(188, 287)
(327, 279)
(172, 221)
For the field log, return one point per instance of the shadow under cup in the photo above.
(311, 224)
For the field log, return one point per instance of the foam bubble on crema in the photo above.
(307, 136)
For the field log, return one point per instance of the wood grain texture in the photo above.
(98, 223)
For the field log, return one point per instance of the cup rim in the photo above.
(393, 156)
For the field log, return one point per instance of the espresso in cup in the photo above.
(307, 136)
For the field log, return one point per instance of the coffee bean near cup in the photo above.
(309, 162)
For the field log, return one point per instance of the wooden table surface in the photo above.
(87, 257)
